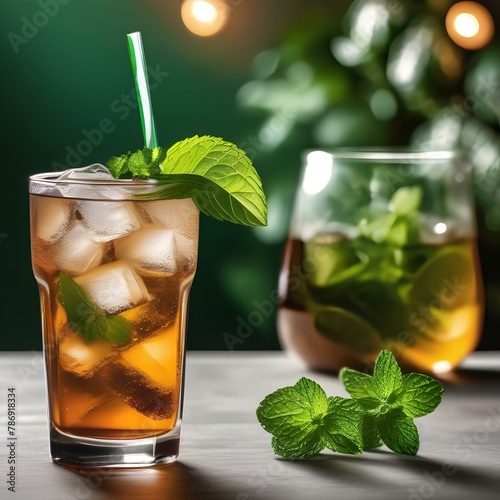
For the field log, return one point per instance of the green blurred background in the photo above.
(282, 76)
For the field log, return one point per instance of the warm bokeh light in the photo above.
(466, 25)
(470, 25)
(204, 17)
(442, 367)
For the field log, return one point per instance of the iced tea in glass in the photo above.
(114, 271)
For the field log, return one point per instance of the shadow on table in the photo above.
(440, 471)
(158, 482)
(343, 468)
(412, 470)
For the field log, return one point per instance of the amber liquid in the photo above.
(429, 316)
(97, 389)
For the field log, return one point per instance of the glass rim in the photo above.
(51, 178)
(389, 154)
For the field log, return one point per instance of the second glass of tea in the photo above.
(382, 254)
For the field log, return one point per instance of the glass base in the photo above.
(85, 452)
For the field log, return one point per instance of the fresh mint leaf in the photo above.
(359, 385)
(341, 426)
(83, 314)
(118, 165)
(303, 421)
(398, 432)
(400, 226)
(143, 163)
(387, 376)
(420, 394)
(216, 174)
(308, 447)
(118, 330)
(293, 414)
(87, 318)
(393, 400)
(406, 200)
(369, 432)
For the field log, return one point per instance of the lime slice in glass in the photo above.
(445, 281)
(327, 261)
(347, 329)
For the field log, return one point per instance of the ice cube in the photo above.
(75, 252)
(52, 216)
(114, 287)
(94, 171)
(187, 253)
(107, 220)
(139, 391)
(80, 358)
(76, 187)
(150, 318)
(157, 357)
(152, 250)
(180, 215)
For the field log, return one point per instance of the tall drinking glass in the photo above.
(382, 255)
(114, 271)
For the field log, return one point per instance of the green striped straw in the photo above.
(140, 71)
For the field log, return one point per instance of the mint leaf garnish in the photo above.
(87, 318)
(118, 330)
(304, 421)
(83, 314)
(142, 163)
(216, 174)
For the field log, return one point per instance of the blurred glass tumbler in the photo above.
(382, 255)
(114, 272)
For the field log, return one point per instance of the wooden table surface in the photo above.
(225, 454)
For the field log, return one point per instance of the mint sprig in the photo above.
(304, 421)
(394, 400)
(216, 174)
(87, 318)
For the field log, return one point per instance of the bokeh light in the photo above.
(470, 25)
(466, 25)
(318, 172)
(204, 17)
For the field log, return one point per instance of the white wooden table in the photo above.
(225, 454)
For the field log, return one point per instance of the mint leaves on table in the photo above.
(304, 421)
(87, 318)
(216, 174)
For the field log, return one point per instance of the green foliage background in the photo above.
(378, 73)
(270, 83)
